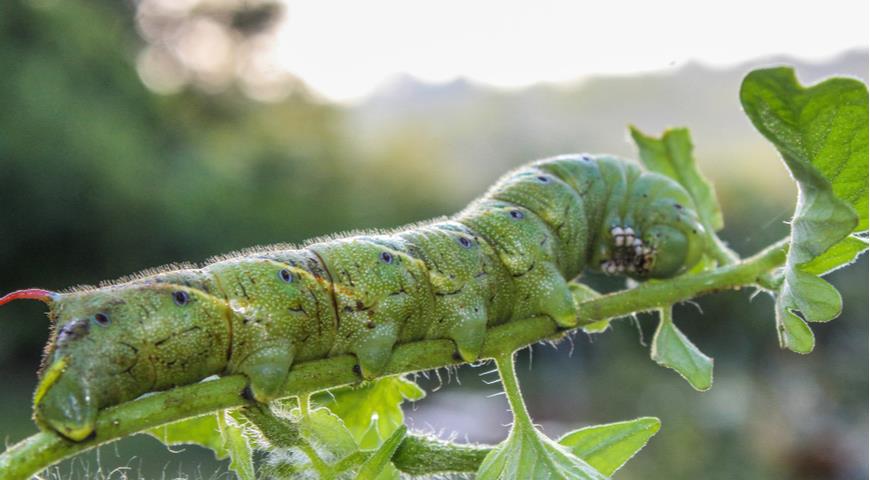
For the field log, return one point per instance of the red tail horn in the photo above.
(46, 296)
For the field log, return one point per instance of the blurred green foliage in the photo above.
(99, 177)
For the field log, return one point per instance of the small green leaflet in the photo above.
(839, 255)
(323, 448)
(329, 440)
(528, 453)
(338, 440)
(202, 430)
(795, 334)
(322, 427)
(607, 447)
(332, 451)
(670, 348)
(821, 133)
(671, 155)
(220, 432)
(378, 466)
(383, 398)
(236, 444)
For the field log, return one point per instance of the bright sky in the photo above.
(345, 49)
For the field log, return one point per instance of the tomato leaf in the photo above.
(527, 453)
(373, 411)
(202, 430)
(607, 447)
(821, 134)
(236, 444)
(672, 156)
(672, 349)
(378, 466)
(841, 254)
(221, 432)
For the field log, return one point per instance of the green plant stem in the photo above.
(420, 455)
(505, 364)
(718, 250)
(284, 433)
(651, 296)
(280, 432)
(44, 449)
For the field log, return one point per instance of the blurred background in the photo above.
(134, 134)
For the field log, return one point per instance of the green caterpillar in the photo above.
(507, 256)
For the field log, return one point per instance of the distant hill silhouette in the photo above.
(481, 131)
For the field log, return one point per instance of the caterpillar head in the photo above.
(657, 236)
(111, 344)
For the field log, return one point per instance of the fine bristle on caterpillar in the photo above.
(507, 256)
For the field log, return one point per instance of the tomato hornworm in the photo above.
(507, 256)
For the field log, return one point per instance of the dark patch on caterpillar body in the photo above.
(73, 331)
(258, 312)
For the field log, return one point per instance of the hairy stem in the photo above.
(718, 250)
(651, 296)
(44, 449)
(278, 432)
(420, 455)
(511, 386)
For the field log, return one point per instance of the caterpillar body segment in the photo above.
(558, 205)
(381, 295)
(507, 256)
(117, 345)
(463, 276)
(526, 247)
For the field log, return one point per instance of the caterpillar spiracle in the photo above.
(506, 256)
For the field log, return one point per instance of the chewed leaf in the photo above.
(236, 444)
(377, 404)
(821, 133)
(672, 156)
(529, 454)
(607, 447)
(203, 430)
(221, 432)
(670, 348)
(794, 333)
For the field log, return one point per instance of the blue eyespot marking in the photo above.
(102, 319)
(181, 297)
